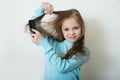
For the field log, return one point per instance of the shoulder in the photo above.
(86, 51)
(84, 56)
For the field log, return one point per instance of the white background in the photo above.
(20, 59)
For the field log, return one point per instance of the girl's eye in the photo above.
(66, 29)
(76, 27)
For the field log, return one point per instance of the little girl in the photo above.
(64, 46)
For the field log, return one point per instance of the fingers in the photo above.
(37, 37)
(48, 7)
(51, 9)
(35, 31)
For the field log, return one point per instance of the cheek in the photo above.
(64, 33)
(79, 32)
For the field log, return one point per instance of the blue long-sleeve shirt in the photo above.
(56, 68)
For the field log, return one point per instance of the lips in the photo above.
(72, 37)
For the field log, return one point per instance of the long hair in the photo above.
(58, 35)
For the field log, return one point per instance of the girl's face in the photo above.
(71, 29)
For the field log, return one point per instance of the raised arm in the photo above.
(45, 7)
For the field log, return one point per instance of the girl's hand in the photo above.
(37, 37)
(48, 7)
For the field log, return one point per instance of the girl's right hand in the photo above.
(37, 37)
(48, 7)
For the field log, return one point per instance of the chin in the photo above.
(73, 41)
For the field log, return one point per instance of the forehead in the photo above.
(70, 22)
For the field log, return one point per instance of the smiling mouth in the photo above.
(73, 37)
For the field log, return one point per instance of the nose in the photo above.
(72, 32)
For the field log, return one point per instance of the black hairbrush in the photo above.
(32, 25)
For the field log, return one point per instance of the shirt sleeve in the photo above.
(64, 65)
(48, 41)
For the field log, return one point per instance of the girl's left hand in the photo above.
(48, 7)
(37, 37)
